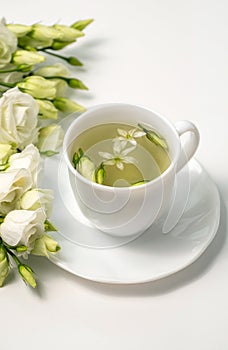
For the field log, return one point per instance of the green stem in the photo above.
(54, 54)
(17, 261)
(9, 85)
(8, 70)
(71, 60)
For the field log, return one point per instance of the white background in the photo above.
(170, 56)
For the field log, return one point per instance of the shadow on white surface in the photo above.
(49, 273)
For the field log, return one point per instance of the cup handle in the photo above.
(190, 144)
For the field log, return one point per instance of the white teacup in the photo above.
(128, 211)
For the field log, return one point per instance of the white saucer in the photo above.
(88, 253)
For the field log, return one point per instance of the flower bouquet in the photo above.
(33, 99)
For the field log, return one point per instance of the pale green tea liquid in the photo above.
(150, 159)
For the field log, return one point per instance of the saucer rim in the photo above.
(56, 259)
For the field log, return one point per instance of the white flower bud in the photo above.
(45, 245)
(27, 57)
(58, 69)
(68, 33)
(47, 109)
(19, 29)
(50, 138)
(42, 32)
(38, 87)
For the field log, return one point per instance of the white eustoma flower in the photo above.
(130, 136)
(50, 138)
(23, 227)
(18, 118)
(8, 44)
(30, 160)
(13, 184)
(119, 156)
(37, 198)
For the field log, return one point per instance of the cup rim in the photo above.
(126, 188)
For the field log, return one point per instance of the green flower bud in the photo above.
(47, 109)
(24, 68)
(43, 33)
(76, 84)
(74, 61)
(45, 245)
(4, 265)
(68, 33)
(38, 87)
(27, 274)
(75, 159)
(68, 106)
(19, 29)
(80, 25)
(21, 248)
(48, 226)
(27, 57)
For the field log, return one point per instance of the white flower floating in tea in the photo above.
(119, 156)
(129, 136)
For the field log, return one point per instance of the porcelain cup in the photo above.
(128, 211)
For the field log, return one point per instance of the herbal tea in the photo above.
(120, 155)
